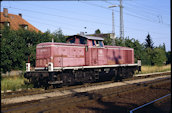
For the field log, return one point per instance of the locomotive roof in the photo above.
(88, 37)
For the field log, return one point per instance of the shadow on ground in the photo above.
(114, 107)
(108, 107)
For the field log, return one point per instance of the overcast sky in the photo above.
(140, 17)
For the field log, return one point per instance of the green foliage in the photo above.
(149, 43)
(107, 41)
(18, 46)
(168, 55)
(119, 42)
(97, 31)
(159, 56)
(147, 56)
(58, 36)
(162, 47)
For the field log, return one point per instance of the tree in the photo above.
(98, 31)
(58, 36)
(168, 55)
(147, 56)
(6, 62)
(159, 56)
(107, 41)
(19, 45)
(149, 43)
(162, 47)
(119, 41)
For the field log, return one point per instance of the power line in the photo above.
(60, 16)
(96, 5)
(59, 22)
(146, 11)
(137, 29)
(70, 19)
(157, 16)
(92, 28)
(146, 7)
(91, 22)
(145, 18)
(69, 11)
(108, 2)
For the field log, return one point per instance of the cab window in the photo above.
(100, 43)
(97, 43)
(83, 41)
(93, 43)
(72, 40)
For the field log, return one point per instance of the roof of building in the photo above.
(88, 37)
(104, 35)
(16, 21)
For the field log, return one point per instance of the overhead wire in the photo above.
(72, 25)
(84, 20)
(134, 15)
(108, 2)
(69, 11)
(93, 4)
(149, 8)
(69, 28)
(154, 21)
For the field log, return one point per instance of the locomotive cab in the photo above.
(87, 40)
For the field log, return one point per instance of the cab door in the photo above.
(94, 56)
(101, 56)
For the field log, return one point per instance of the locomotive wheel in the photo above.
(45, 83)
(35, 82)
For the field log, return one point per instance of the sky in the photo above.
(140, 17)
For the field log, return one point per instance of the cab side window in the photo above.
(72, 40)
(93, 43)
(97, 43)
(83, 41)
(100, 43)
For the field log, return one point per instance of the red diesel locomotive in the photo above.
(81, 59)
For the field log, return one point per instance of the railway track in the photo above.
(80, 88)
(34, 91)
(100, 96)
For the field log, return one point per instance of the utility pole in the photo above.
(113, 28)
(121, 20)
(113, 25)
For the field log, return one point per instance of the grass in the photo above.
(13, 83)
(152, 69)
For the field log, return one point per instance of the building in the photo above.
(103, 35)
(15, 22)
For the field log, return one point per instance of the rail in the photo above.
(131, 111)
